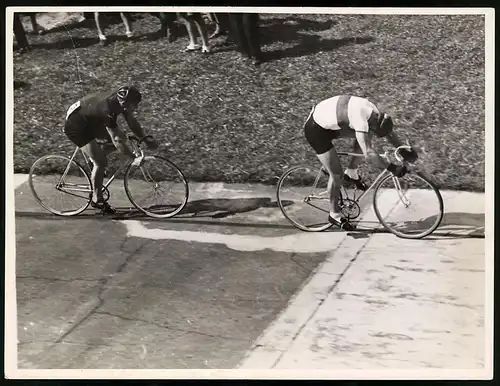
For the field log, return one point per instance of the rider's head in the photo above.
(384, 125)
(128, 97)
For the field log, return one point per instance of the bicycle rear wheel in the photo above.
(303, 198)
(157, 188)
(60, 185)
(410, 207)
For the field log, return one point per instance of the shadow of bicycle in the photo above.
(218, 208)
(197, 211)
(225, 207)
(453, 225)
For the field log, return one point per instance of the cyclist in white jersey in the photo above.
(346, 116)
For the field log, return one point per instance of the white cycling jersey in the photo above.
(343, 112)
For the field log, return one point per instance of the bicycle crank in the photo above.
(349, 208)
(105, 194)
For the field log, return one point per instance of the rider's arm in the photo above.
(134, 125)
(138, 130)
(120, 141)
(408, 155)
(372, 156)
(393, 139)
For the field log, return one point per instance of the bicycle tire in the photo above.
(84, 197)
(390, 227)
(159, 171)
(313, 171)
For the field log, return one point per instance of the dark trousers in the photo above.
(168, 24)
(245, 30)
(223, 20)
(19, 32)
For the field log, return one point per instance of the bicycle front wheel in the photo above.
(410, 207)
(157, 188)
(60, 185)
(303, 198)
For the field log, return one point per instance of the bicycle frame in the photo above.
(382, 174)
(86, 158)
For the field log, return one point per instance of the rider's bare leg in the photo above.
(331, 162)
(99, 160)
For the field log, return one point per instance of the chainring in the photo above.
(105, 194)
(349, 208)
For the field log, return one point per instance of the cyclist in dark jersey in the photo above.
(346, 116)
(94, 118)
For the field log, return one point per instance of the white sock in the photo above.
(353, 173)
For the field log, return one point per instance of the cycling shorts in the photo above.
(77, 130)
(319, 138)
(80, 133)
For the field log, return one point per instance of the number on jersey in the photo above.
(72, 108)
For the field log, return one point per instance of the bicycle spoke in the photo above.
(50, 182)
(410, 207)
(303, 198)
(157, 187)
(317, 207)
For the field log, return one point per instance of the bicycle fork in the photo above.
(402, 196)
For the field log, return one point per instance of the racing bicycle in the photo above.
(155, 186)
(410, 207)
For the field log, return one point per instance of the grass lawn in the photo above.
(221, 119)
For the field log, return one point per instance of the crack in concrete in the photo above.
(299, 264)
(185, 332)
(416, 298)
(468, 270)
(330, 290)
(55, 279)
(33, 342)
(103, 282)
(93, 344)
(411, 269)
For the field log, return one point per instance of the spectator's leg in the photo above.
(251, 26)
(20, 33)
(128, 24)
(37, 28)
(202, 30)
(211, 17)
(34, 26)
(220, 28)
(223, 20)
(226, 25)
(188, 22)
(238, 33)
(102, 37)
(168, 26)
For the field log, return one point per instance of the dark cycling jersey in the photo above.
(88, 118)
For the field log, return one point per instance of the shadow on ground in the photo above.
(224, 207)
(77, 42)
(290, 29)
(453, 225)
(198, 211)
(21, 84)
(295, 29)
